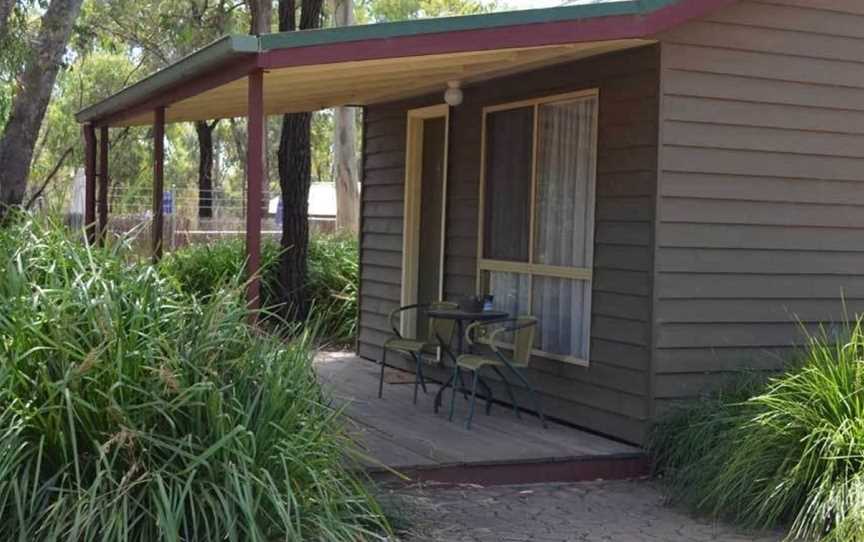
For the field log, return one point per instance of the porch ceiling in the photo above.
(314, 87)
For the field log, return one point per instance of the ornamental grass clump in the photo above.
(331, 289)
(791, 455)
(133, 412)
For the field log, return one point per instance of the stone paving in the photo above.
(629, 511)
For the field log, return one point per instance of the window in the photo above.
(537, 216)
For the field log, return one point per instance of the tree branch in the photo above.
(50, 176)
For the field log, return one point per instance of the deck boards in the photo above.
(400, 435)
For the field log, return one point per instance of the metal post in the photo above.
(254, 180)
(103, 185)
(90, 182)
(158, 179)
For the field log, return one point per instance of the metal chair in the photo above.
(489, 333)
(437, 330)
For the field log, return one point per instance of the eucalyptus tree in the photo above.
(294, 159)
(344, 143)
(33, 92)
(6, 8)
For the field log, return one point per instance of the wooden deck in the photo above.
(499, 448)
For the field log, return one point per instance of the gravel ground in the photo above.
(628, 511)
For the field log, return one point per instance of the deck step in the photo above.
(576, 469)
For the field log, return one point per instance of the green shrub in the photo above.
(331, 289)
(791, 455)
(134, 412)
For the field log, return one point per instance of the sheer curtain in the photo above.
(565, 178)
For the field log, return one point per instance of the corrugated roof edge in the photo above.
(234, 46)
(198, 62)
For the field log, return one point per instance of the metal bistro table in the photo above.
(462, 319)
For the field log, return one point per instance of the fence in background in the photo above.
(131, 214)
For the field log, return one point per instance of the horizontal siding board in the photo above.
(381, 290)
(385, 258)
(840, 6)
(787, 17)
(632, 307)
(618, 354)
(384, 176)
(383, 192)
(759, 236)
(628, 258)
(766, 262)
(774, 189)
(765, 115)
(784, 284)
(685, 385)
(767, 40)
(710, 360)
(757, 138)
(671, 311)
(755, 163)
(622, 233)
(385, 275)
(772, 91)
(765, 65)
(622, 282)
(620, 329)
(713, 211)
(624, 208)
(374, 304)
(721, 334)
(386, 226)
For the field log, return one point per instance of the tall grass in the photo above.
(790, 455)
(332, 280)
(133, 412)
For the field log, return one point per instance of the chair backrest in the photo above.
(524, 328)
(441, 327)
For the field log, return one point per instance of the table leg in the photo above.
(439, 396)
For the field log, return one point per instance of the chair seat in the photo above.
(406, 345)
(472, 362)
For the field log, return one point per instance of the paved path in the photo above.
(582, 512)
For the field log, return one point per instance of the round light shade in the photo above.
(453, 94)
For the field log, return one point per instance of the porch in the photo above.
(397, 435)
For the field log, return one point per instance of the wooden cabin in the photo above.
(673, 187)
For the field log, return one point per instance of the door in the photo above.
(425, 212)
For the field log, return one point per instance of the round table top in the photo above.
(459, 314)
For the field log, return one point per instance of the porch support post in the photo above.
(158, 179)
(254, 181)
(103, 184)
(89, 182)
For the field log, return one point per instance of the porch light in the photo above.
(453, 94)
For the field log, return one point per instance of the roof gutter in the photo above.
(218, 53)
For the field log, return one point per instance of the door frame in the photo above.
(411, 216)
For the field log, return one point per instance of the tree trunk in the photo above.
(295, 162)
(344, 144)
(6, 7)
(205, 167)
(261, 12)
(31, 101)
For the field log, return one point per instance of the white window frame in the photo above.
(529, 268)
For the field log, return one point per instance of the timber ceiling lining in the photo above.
(310, 88)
